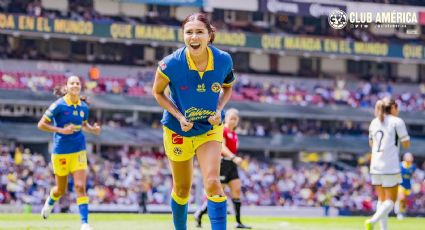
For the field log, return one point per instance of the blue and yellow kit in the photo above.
(406, 175)
(196, 95)
(69, 151)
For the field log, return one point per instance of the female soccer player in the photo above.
(407, 169)
(69, 115)
(386, 132)
(228, 170)
(199, 77)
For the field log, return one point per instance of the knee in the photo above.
(212, 185)
(236, 193)
(80, 188)
(182, 190)
(60, 192)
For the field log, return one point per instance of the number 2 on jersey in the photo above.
(379, 135)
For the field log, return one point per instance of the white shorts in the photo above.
(386, 180)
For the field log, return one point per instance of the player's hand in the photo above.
(67, 130)
(185, 125)
(96, 129)
(237, 160)
(215, 119)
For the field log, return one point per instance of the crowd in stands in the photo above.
(294, 127)
(119, 176)
(274, 91)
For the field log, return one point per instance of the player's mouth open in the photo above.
(195, 45)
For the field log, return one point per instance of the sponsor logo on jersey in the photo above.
(176, 139)
(201, 88)
(162, 65)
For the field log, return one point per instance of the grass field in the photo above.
(163, 222)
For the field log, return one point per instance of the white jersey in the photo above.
(386, 137)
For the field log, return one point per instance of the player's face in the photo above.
(73, 85)
(196, 37)
(408, 158)
(232, 121)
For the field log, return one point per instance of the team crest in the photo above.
(216, 87)
(62, 161)
(81, 113)
(177, 151)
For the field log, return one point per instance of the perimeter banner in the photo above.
(121, 32)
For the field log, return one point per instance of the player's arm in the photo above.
(226, 91)
(405, 144)
(370, 136)
(227, 153)
(45, 125)
(224, 98)
(158, 91)
(93, 129)
(402, 133)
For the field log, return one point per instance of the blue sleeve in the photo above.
(52, 111)
(165, 67)
(230, 76)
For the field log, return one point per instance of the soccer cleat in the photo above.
(46, 210)
(400, 216)
(198, 221)
(240, 225)
(86, 227)
(368, 225)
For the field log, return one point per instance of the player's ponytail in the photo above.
(59, 91)
(381, 111)
(387, 105)
(85, 99)
(378, 108)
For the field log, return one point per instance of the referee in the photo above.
(228, 169)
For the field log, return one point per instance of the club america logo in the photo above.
(338, 19)
(177, 151)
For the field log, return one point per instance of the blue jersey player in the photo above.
(66, 118)
(407, 169)
(199, 77)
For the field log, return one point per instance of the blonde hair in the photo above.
(232, 111)
(378, 108)
(385, 108)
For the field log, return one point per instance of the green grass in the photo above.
(163, 222)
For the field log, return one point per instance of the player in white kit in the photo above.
(386, 133)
